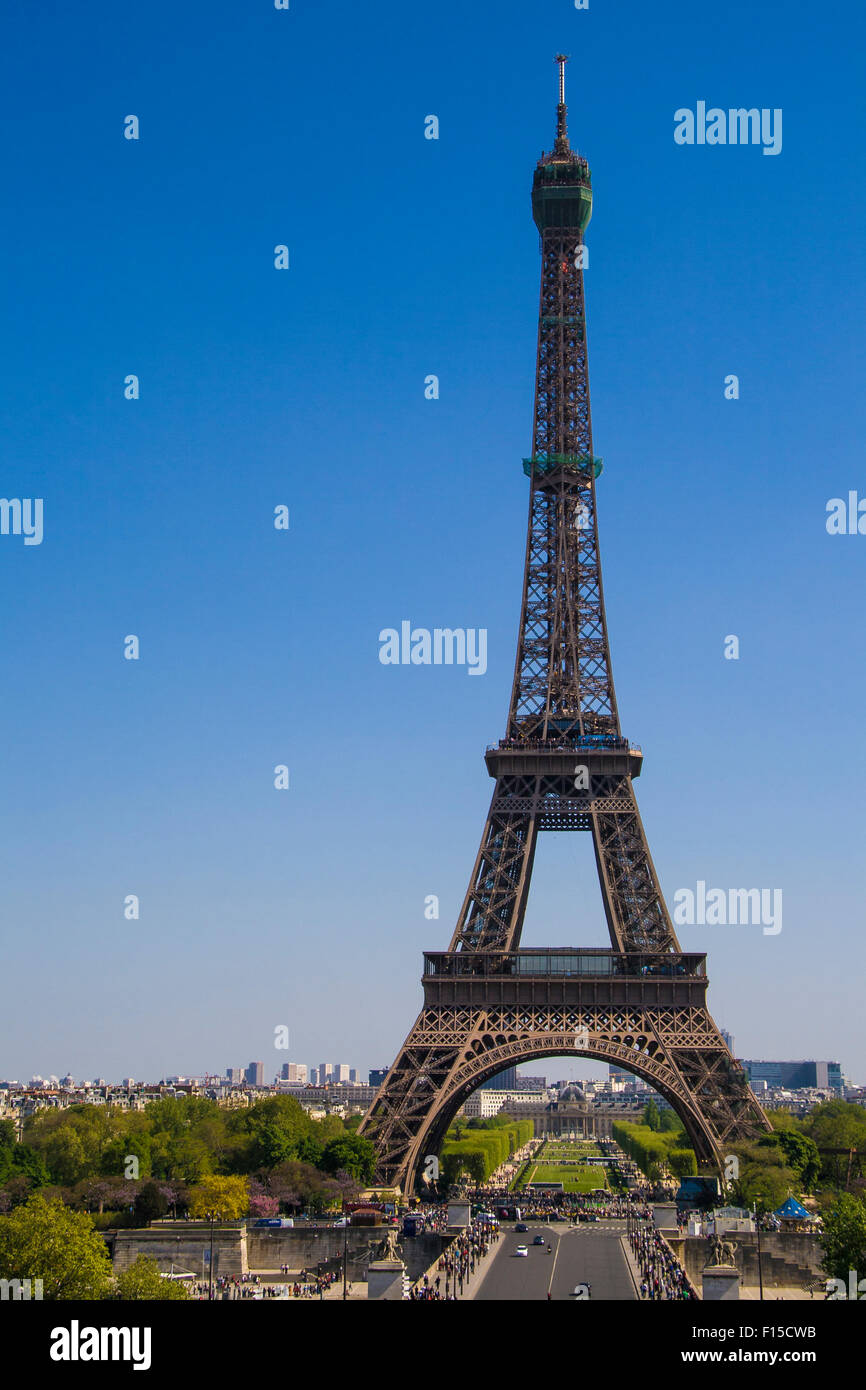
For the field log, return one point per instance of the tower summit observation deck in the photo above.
(562, 185)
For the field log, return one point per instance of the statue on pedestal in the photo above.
(722, 1254)
(387, 1249)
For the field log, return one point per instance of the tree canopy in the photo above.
(44, 1240)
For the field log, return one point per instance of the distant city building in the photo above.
(353, 1075)
(376, 1077)
(336, 1096)
(235, 1075)
(255, 1074)
(341, 1073)
(728, 1040)
(502, 1081)
(325, 1072)
(294, 1071)
(484, 1103)
(795, 1076)
(531, 1083)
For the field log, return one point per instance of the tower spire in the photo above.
(561, 145)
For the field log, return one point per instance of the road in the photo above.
(586, 1253)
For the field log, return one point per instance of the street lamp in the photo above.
(760, 1262)
(210, 1271)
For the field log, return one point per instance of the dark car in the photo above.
(521, 1226)
(538, 1240)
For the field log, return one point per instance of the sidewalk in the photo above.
(475, 1280)
(634, 1271)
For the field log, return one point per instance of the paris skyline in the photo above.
(305, 388)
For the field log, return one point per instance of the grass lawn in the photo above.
(582, 1179)
(556, 1149)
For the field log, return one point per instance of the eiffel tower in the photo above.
(563, 765)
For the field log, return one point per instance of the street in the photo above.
(587, 1253)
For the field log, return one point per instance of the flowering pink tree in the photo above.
(261, 1202)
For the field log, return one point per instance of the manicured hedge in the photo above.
(494, 1145)
(653, 1148)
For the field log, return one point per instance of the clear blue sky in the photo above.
(306, 387)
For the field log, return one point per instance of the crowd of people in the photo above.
(457, 1264)
(662, 1275)
(252, 1286)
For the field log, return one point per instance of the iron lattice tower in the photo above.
(563, 765)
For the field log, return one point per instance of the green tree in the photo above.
(143, 1280)
(45, 1240)
(800, 1153)
(112, 1162)
(310, 1150)
(187, 1159)
(836, 1124)
(151, 1202)
(329, 1127)
(682, 1163)
(476, 1167)
(71, 1141)
(274, 1128)
(29, 1164)
(765, 1180)
(843, 1237)
(352, 1153)
(669, 1122)
(65, 1155)
(651, 1117)
(450, 1167)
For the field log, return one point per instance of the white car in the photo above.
(522, 1250)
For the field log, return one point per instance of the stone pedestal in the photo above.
(665, 1217)
(385, 1279)
(720, 1282)
(459, 1214)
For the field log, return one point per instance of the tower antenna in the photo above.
(562, 145)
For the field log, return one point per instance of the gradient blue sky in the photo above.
(306, 387)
